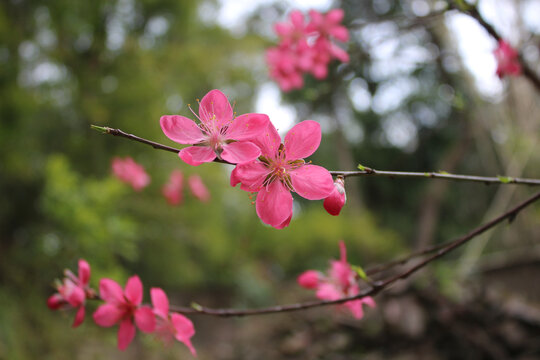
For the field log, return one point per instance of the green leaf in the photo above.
(361, 167)
(360, 272)
(101, 129)
(196, 306)
(442, 172)
(505, 179)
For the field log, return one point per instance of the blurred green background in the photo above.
(405, 102)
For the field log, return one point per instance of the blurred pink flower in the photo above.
(507, 60)
(335, 202)
(73, 292)
(340, 282)
(306, 48)
(282, 169)
(198, 189)
(218, 134)
(122, 306)
(128, 171)
(171, 325)
(173, 189)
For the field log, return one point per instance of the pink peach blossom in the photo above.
(282, 169)
(293, 31)
(122, 307)
(73, 292)
(198, 189)
(218, 134)
(507, 60)
(169, 325)
(337, 198)
(173, 189)
(128, 171)
(340, 282)
(328, 25)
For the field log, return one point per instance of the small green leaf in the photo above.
(505, 179)
(361, 167)
(360, 272)
(101, 129)
(426, 174)
(442, 172)
(196, 306)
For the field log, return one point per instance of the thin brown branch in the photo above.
(366, 171)
(375, 288)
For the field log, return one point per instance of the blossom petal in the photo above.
(126, 333)
(145, 319)
(79, 317)
(215, 107)
(134, 290)
(269, 141)
(76, 296)
(184, 330)
(355, 307)
(110, 291)
(327, 291)
(312, 182)
(250, 176)
(55, 301)
(248, 126)
(107, 315)
(84, 272)
(302, 140)
(285, 223)
(196, 155)
(181, 129)
(240, 152)
(309, 279)
(160, 302)
(274, 204)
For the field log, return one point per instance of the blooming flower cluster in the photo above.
(341, 281)
(172, 190)
(123, 307)
(273, 170)
(306, 47)
(507, 60)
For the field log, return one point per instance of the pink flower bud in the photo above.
(309, 279)
(198, 189)
(337, 198)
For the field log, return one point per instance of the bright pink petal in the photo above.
(302, 140)
(181, 129)
(55, 301)
(126, 333)
(79, 317)
(160, 302)
(340, 33)
(309, 279)
(339, 53)
(285, 223)
(145, 319)
(134, 290)
(312, 182)
(76, 296)
(250, 175)
(240, 152)
(274, 204)
(337, 198)
(184, 330)
(247, 127)
(196, 155)
(269, 141)
(84, 272)
(110, 291)
(328, 291)
(107, 315)
(335, 16)
(368, 300)
(215, 110)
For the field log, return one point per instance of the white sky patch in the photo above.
(476, 47)
(269, 102)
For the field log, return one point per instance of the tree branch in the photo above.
(367, 171)
(375, 287)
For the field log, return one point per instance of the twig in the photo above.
(376, 287)
(366, 171)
